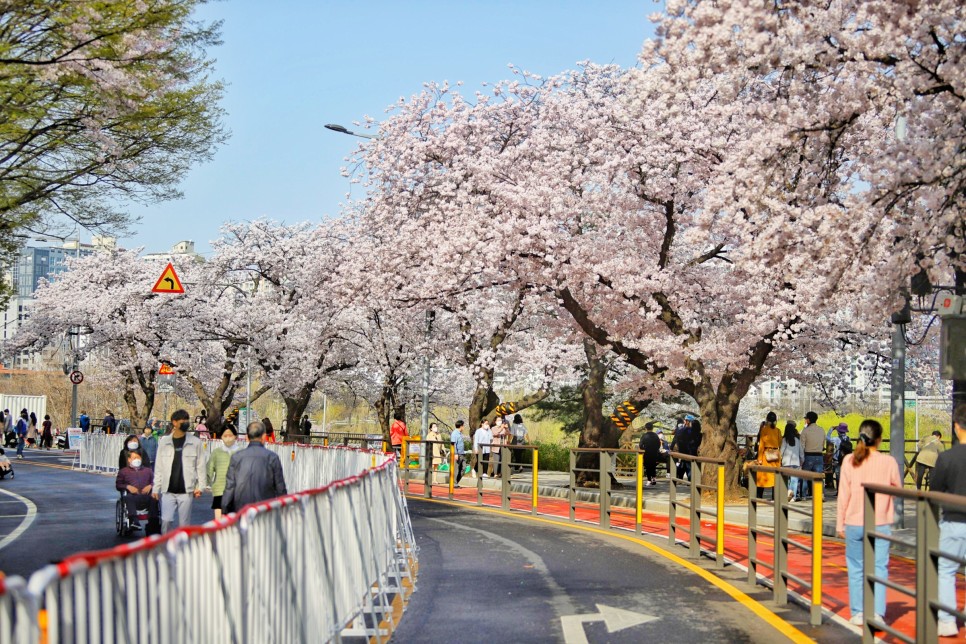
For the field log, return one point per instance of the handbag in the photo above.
(773, 454)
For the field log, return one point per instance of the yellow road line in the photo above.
(54, 465)
(751, 604)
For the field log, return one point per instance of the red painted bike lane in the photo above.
(900, 611)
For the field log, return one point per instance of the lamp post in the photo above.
(341, 129)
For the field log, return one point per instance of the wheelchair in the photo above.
(122, 521)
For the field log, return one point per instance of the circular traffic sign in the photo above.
(76, 377)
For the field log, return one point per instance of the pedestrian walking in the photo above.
(650, 444)
(109, 424)
(21, 432)
(866, 465)
(150, 445)
(519, 436)
(133, 445)
(305, 426)
(47, 433)
(949, 476)
(85, 422)
(7, 421)
(681, 443)
(180, 472)
(500, 434)
(218, 468)
(793, 456)
(32, 431)
(481, 449)
(254, 473)
(434, 449)
(769, 454)
(398, 431)
(926, 457)
(458, 445)
(813, 441)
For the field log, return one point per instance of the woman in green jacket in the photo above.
(218, 467)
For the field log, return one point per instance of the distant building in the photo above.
(33, 264)
(181, 250)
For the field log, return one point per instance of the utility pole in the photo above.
(959, 385)
(424, 425)
(897, 415)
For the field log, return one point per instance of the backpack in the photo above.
(845, 448)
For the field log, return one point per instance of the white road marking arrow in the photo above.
(616, 619)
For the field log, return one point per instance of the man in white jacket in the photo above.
(179, 473)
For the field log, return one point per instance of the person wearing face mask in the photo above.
(133, 444)
(218, 467)
(179, 473)
(137, 480)
(150, 445)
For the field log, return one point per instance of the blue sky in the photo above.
(291, 66)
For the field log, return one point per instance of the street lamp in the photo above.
(341, 129)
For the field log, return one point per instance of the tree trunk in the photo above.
(959, 385)
(719, 414)
(598, 431)
(482, 405)
(295, 406)
(135, 378)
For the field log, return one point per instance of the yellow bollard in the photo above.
(639, 514)
(404, 453)
(817, 493)
(536, 479)
(719, 546)
(293, 454)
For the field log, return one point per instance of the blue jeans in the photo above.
(812, 464)
(20, 445)
(952, 540)
(853, 559)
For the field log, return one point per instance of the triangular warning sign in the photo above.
(168, 282)
(166, 370)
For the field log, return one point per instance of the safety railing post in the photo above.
(505, 473)
(534, 490)
(694, 529)
(572, 490)
(639, 505)
(780, 546)
(604, 487)
(428, 465)
(868, 566)
(752, 528)
(403, 464)
(719, 518)
(927, 570)
(817, 525)
(672, 507)
(452, 471)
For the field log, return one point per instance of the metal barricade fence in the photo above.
(296, 569)
(99, 452)
(696, 511)
(928, 554)
(779, 565)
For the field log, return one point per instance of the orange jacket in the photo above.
(397, 431)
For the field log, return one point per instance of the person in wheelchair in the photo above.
(135, 484)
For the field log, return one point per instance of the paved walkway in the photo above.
(553, 501)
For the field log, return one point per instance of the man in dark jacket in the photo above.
(949, 476)
(651, 446)
(254, 474)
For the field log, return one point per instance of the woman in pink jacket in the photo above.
(866, 465)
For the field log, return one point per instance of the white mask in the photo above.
(135, 463)
(132, 445)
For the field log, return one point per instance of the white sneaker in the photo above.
(857, 619)
(948, 629)
(791, 495)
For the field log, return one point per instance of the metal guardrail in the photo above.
(779, 534)
(928, 554)
(693, 506)
(425, 465)
(328, 578)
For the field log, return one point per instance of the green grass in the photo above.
(553, 456)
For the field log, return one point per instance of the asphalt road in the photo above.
(74, 512)
(485, 577)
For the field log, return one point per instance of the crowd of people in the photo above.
(165, 473)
